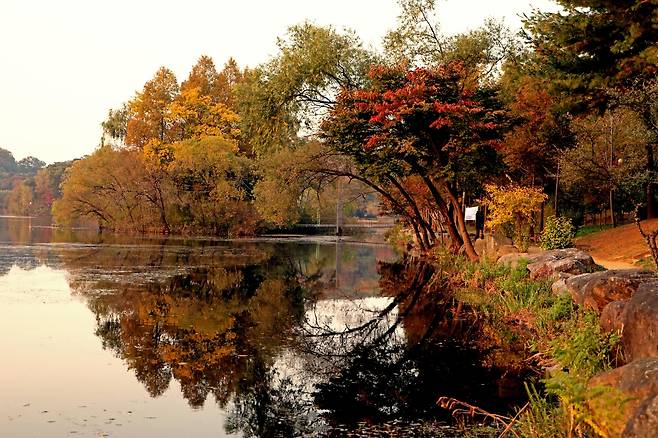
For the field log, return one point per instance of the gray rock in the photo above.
(594, 291)
(644, 422)
(559, 286)
(512, 260)
(638, 381)
(548, 264)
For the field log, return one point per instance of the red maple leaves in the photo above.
(421, 103)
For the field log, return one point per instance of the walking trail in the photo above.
(618, 248)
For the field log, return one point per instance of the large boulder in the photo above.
(596, 290)
(637, 381)
(644, 422)
(513, 259)
(612, 316)
(549, 264)
(559, 286)
(640, 323)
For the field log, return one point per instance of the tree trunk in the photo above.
(422, 240)
(468, 244)
(457, 240)
(650, 187)
(613, 221)
(426, 227)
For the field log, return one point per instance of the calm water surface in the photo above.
(135, 337)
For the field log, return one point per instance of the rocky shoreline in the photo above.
(627, 302)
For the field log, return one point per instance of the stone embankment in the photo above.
(627, 302)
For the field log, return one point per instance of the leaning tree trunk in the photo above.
(448, 221)
(461, 223)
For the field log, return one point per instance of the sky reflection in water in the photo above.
(122, 337)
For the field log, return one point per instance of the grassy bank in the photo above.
(563, 344)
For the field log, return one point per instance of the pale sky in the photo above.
(64, 63)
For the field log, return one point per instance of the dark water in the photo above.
(137, 337)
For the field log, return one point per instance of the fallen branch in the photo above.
(462, 409)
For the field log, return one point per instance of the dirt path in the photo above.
(614, 264)
(618, 248)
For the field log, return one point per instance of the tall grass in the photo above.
(569, 341)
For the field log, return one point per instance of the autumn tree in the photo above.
(19, 200)
(424, 122)
(418, 40)
(219, 86)
(516, 207)
(47, 185)
(608, 159)
(150, 116)
(295, 89)
(101, 187)
(205, 104)
(538, 135)
(591, 47)
(214, 186)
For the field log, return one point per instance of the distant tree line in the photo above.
(28, 186)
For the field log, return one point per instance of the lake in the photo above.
(119, 336)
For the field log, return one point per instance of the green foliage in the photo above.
(417, 39)
(542, 418)
(586, 230)
(583, 347)
(299, 85)
(522, 295)
(555, 329)
(562, 309)
(571, 408)
(590, 45)
(7, 162)
(558, 233)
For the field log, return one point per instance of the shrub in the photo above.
(558, 233)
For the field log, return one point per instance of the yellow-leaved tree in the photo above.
(515, 208)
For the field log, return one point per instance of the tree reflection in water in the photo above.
(278, 342)
(395, 363)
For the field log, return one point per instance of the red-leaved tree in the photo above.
(433, 126)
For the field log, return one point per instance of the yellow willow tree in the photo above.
(213, 186)
(104, 187)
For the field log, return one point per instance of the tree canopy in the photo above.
(426, 124)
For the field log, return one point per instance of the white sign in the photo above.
(470, 213)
